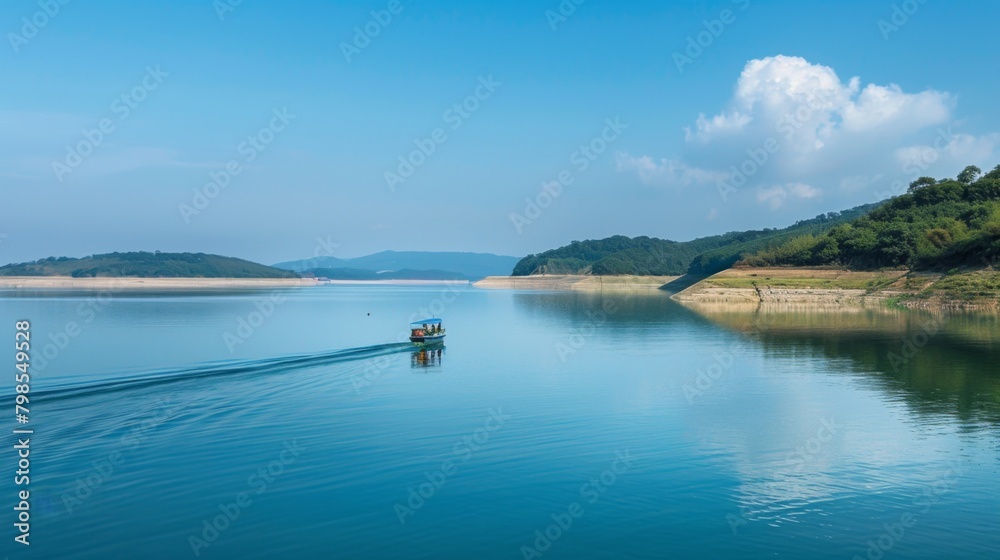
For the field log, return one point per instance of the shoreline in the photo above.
(395, 282)
(574, 282)
(846, 289)
(133, 283)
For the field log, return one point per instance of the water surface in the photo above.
(643, 428)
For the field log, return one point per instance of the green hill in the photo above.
(647, 256)
(146, 265)
(720, 259)
(938, 225)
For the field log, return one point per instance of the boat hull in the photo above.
(428, 339)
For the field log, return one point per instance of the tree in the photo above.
(969, 175)
(995, 174)
(921, 183)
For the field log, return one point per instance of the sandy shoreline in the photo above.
(69, 283)
(397, 282)
(836, 288)
(574, 282)
(811, 287)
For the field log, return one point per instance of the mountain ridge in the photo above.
(449, 264)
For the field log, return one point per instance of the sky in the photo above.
(280, 130)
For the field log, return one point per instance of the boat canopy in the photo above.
(425, 322)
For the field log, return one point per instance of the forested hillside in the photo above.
(658, 257)
(146, 265)
(937, 225)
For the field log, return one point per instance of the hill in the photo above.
(647, 256)
(938, 225)
(146, 265)
(720, 259)
(415, 264)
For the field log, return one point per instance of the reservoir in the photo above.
(298, 423)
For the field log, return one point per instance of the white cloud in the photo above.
(809, 104)
(950, 150)
(719, 124)
(793, 122)
(889, 106)
(665, 171)
(856, 183)
(775, 197)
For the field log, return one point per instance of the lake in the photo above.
(295, 424)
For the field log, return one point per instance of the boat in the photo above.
(426, 332)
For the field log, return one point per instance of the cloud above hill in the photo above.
(795, 130)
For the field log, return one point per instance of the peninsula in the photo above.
(935, 247)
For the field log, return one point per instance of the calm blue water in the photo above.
(622, 426)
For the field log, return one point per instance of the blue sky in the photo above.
(304, 121)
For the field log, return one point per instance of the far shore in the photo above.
(131, 283)
(574, 282)
(397, 282)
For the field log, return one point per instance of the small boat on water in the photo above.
(427, 331)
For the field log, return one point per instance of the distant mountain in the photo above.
(414, 264)
(341, 273)
(146, 265)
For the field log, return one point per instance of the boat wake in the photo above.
(217, 369)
